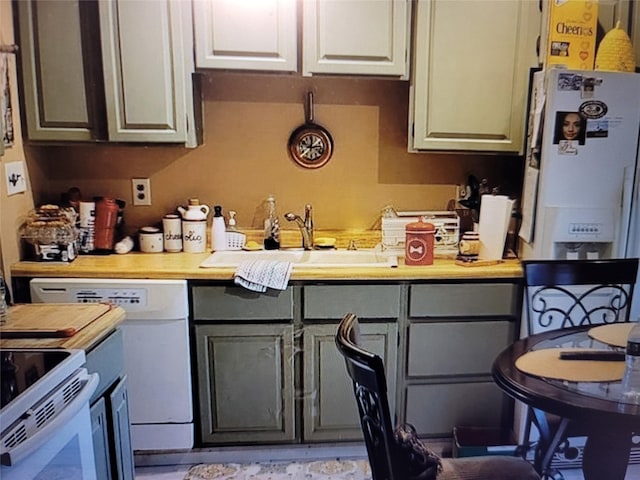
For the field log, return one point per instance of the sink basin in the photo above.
(305, 258)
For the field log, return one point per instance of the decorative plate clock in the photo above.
(310, 145)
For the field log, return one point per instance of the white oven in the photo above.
(44, 421)
(156, 351)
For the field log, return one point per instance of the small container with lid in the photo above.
(469, 246)
(419, 243)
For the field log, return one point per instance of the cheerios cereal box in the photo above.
(572, 33)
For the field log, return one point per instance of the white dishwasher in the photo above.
(156, 351)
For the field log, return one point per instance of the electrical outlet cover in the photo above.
(15, 176)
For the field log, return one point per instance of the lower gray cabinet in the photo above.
(268, 369)
(245, 383)
(100, 436)
(119, 412)
(110, 411)
(329, 406)
(453, 333)
(328, 403)
(435, 408)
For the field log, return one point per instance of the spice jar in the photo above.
(469, 246)
(419, 243)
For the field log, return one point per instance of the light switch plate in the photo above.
(15, 177)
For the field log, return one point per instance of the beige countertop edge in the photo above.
(186, 266)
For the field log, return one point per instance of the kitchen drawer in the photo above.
(366, 301)
(237, 303)
(434, 409)
(456, 348)
(463, 299)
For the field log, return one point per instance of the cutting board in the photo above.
(46, 320)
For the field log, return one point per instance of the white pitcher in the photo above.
(194, 226)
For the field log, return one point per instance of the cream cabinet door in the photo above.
(144, 75)
(246, 35)
(360, 37)
(470, 83)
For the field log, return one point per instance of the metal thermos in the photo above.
(106, 218)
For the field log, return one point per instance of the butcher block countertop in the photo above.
(85, 338)
(186, 266)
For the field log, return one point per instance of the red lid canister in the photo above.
(419, 243)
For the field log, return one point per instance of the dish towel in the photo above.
(258, 275)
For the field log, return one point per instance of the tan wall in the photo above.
(14, 207)
(247, 122)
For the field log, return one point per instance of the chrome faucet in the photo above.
(305, 225)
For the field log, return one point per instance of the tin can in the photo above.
(419, 239)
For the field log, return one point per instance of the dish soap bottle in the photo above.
(271, 226)
(218, 230)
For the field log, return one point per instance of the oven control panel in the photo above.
(127, 298)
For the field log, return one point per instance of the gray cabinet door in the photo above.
(245, 383)
(100, 434)
(144, 78)
(330, 411)
(121, 425)
(435, 408)
(456, 348)
(58, 87)
(130, 83)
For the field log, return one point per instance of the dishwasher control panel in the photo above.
(142, 299)
(123, 297)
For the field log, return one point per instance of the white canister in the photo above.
(172, 231)
(150, 240)
(194, 236)
(87, 221)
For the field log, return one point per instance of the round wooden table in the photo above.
(597, 404)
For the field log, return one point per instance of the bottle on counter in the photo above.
(232, 227)
(218, 230)
(3, 301)
(271, 226)
(631, 377)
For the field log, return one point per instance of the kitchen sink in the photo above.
(305, 258)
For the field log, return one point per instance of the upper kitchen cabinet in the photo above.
(471, 71)
(117, 71)
(356, 37)
(246, 35)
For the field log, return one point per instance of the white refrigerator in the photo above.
(581, 192)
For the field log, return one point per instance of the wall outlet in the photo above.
(141, 189)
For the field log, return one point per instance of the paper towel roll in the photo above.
(495, 214)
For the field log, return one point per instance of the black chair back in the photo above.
(566, 293)
(370, 387)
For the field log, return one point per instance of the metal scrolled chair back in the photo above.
(562, 294)
(566, 308)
